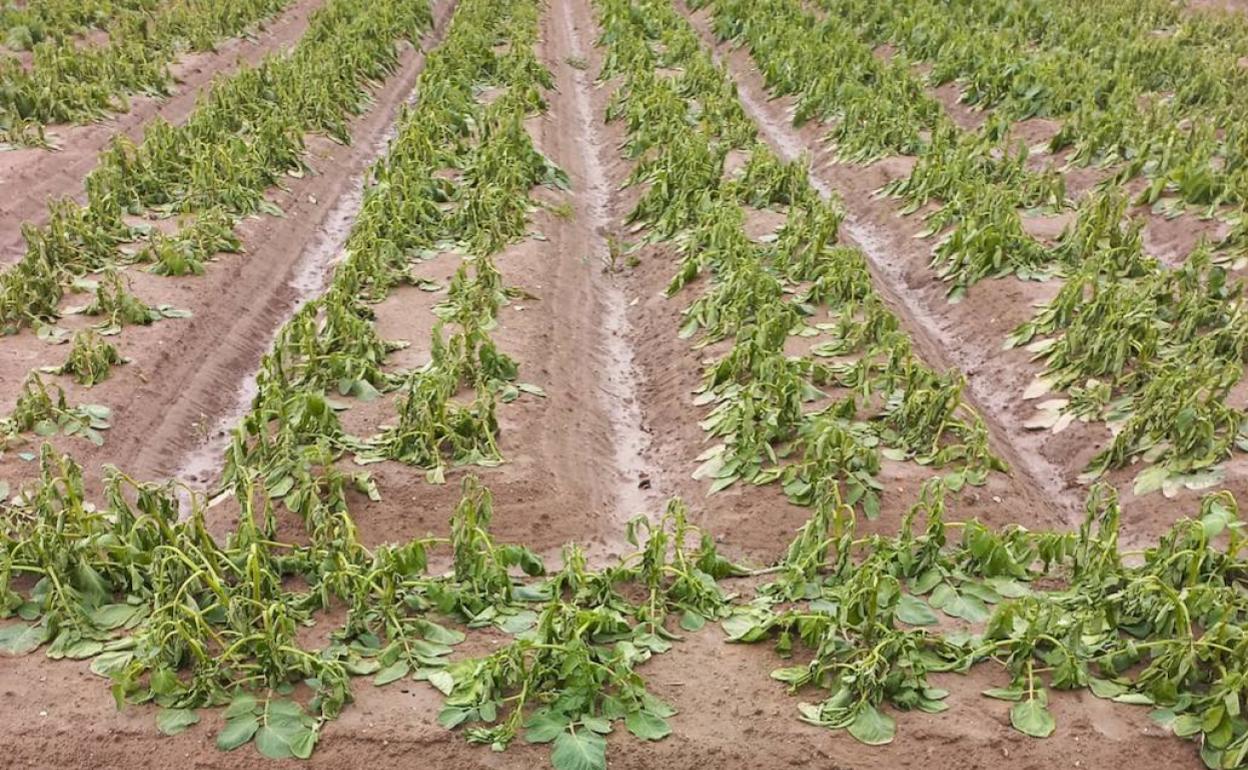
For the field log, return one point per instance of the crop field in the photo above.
(629, 384)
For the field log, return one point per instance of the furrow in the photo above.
(939, 342)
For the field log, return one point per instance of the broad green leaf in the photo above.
(237, 732)
(243, 703)
(106, 663)
(441, 680)
(742, 628)
(1185, 725)
(915, 611)
(1032, 717)
(580, 750)
(174, 721)
(1105, 688)
(20, 639)
(692, 621)
(1134, 699)
(647, 726)
(543, 726)
(873, 727)
(1150, 480)
(452, 716)
(598, 725)
(273, 743)
(392, 673)
(303, 742)
(112, 616)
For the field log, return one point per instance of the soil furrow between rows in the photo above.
(944, 338)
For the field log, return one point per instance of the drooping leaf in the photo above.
(873, 727)
(1032, 717)
(579, 750)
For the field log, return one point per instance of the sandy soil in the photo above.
(616, 435)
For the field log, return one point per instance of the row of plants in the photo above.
(1163, 633)
(457, 177)
(1152, 351)
(876, 107)
(1149, 351)
(1056, 611)
(244, 136)
(73, 80)
(819, 423)
(26, 24)
(1165, 100)
(42, 408)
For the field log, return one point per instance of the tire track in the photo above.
(618, 391)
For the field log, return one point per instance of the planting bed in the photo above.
(631, 384)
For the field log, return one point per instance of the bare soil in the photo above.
(615, 436)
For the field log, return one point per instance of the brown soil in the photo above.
(29, 177)
(616, 435)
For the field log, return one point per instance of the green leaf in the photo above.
(580, 750)
(273, 744)
(1031, 717)
(1105, 688)
(107, 663)
(20, 639)
(237, 732)
(81, 649)
(597, 724)
(647, 726)
(452, 716)
(441, 680)
(174, 721)
(915, 611)
(1185, 725)
(742, 628)
(873, 727)
(692, 621)
(243, 703)
(544, 726)
(1150, 480)
(111, 616)
(959, 605)
(1134, 699)
(284, 712)
(392, 673)
(302, 743)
